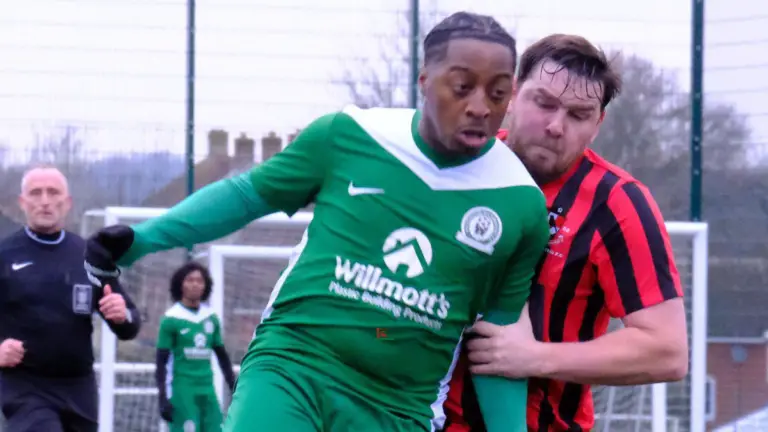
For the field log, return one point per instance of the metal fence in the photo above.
(100, 89)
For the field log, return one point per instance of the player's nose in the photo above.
(477, 107)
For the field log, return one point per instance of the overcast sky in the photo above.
(117, 67)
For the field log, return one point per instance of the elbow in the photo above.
(677, 368)
(672, 364)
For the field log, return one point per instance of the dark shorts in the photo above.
(41, 404)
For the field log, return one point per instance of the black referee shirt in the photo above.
(47, 302)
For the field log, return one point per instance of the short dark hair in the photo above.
(177, 280)
(578, 56)
(465, 25)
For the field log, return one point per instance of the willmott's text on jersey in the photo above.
(388, 294)
(200, 350)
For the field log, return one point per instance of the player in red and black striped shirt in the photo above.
(609, 255)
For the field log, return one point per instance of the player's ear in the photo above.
(67, 205)
(422, 80)
(515, 86)
(597, 129)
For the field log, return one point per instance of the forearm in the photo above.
(160, 372)
(226, 366)
(212, 212)
(502, 401)
(628, 356)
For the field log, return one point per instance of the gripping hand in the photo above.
(103, 250)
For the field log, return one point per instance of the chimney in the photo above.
(217, 143)
(293, 136)
(270, 146)
(244, 148)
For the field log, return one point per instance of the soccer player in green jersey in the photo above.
(422, 222)
(189, 332)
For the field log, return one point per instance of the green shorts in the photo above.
(295, 398)
(195, 409)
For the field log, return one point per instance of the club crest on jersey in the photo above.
(208, 327)
(556, 222)
(200, 340)
(81, 299)
(480, 229)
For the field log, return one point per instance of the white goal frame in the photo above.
(108, 365)
(218, 253)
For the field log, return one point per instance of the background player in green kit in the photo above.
(422, 222)
(189, 332)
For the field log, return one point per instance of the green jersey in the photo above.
(406, 248)
(190, 336)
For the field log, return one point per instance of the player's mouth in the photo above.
(473, 137)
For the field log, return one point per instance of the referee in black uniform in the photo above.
(47, 382)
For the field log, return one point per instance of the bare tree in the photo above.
(382, 79)
(648, 125)
(647, 132)
(64, 148)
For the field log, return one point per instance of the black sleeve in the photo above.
(129, 329)
(161, 371)
(226, 366)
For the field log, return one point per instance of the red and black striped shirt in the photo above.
(609, 255)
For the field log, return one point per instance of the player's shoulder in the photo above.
(176, 311)
(600, 163)
(384, 125)
(628, 196)
(179, 312)
(508, 162)
(330, 126)
(15, 245)
(502, 162)
(13, 241)
(376, 115)
(74, 240)
(621, 179)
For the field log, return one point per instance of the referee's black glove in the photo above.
(103, 250)
(166, 410)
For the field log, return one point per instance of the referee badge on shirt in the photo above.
(480, 229)
(82, 296)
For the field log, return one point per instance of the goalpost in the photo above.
(127, 397)
(108, 366)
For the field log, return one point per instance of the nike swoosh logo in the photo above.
(20, 266)
(184, 331)
(354, 191)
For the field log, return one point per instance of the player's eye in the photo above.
(579, 115)
(544, 103)
(498, 95)
(461, 89)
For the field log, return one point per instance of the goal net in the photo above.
(245, 266)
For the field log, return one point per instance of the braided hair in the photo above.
(465, 25)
